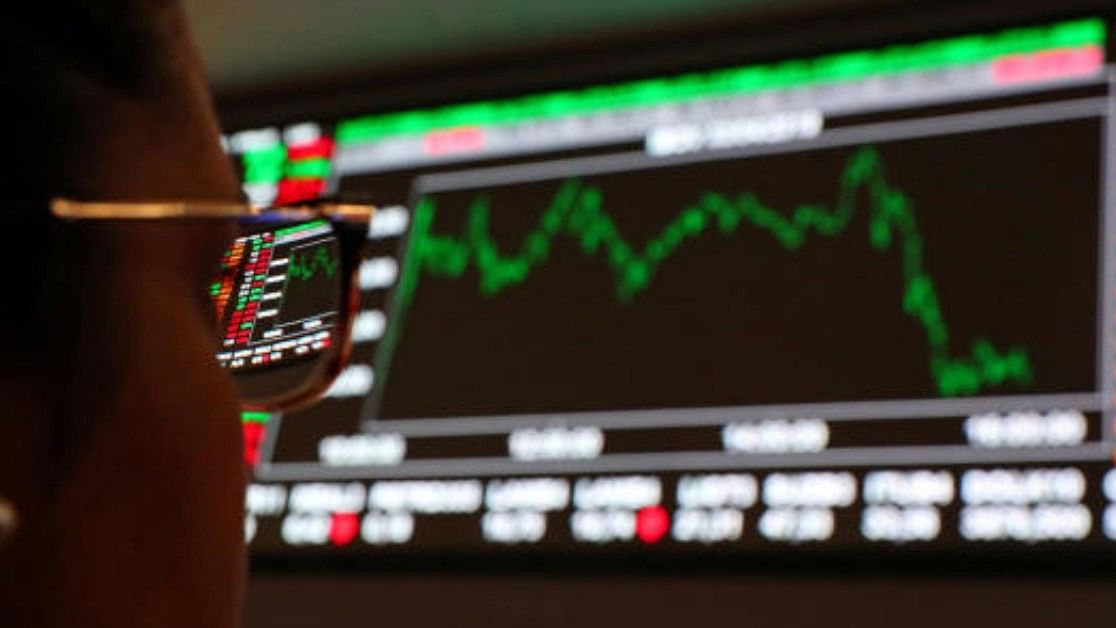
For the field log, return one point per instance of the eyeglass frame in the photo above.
(350, 222)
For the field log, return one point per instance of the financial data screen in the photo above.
(860, 300)
(276, 295)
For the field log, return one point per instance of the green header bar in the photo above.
(303, 227)
(316, 168)
(956, 51)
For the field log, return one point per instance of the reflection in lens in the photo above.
(277, 297)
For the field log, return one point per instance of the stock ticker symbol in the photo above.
(652, 524)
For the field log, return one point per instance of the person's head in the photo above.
(119, 435)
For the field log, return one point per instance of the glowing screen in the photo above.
(858, 300)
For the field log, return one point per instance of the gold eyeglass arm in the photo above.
(68, 209)
(79, 210)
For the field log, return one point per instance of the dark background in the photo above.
(678, 600)
(988, 592)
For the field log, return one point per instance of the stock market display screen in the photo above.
(859, 300)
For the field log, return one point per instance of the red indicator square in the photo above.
(294, 190)
(343, 528)
(253, 436)
(652, 524)
(322, 147)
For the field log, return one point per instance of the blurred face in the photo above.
(143, 508)
(120, 439)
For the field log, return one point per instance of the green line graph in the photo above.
(577, 212)
(305, 265)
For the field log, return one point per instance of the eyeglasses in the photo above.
(285, 294)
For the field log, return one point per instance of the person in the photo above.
(121, 481)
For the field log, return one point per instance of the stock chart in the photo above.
(855, 301)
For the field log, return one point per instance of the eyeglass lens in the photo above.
(279, 307)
